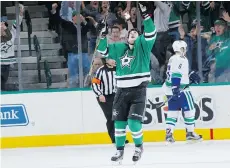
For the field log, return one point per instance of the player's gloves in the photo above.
(103, 28)
(175, 88)
(176, 93)
(194, 77)
(143, 9)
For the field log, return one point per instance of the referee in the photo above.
(104, 86)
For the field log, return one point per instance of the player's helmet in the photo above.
(180, 46)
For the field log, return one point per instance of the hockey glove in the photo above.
(103, 28)
(175, 88)
(176, 93)
(143, 9)
(194, 77)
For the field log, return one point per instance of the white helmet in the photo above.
(179, 46)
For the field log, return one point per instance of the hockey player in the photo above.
(180, 98)
(133, 76)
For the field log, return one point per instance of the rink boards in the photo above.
(73, 117)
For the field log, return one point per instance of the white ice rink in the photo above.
(156, 155)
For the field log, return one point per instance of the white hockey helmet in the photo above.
(179, 46)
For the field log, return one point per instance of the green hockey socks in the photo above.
(135, 127)
(120, 134)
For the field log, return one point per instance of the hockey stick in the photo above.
(89, 75)
(162, 104)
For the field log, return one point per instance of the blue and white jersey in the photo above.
(178, 67)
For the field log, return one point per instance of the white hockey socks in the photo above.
(171, 121)
(189, 120)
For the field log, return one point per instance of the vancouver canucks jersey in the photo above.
(178, 67)
(133, 65)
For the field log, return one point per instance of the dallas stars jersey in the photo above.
(133, 66)
(7, 48)
(177, 67)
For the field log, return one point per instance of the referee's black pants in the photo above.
(107, 108)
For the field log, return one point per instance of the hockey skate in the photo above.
(192, 137)
(137, 154)
(169, 139)
(118, 157)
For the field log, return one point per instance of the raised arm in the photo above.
(103, 48)
(149, 36)
(13, 30)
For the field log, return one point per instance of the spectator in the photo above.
(120, 23)
(53, 17)
(118, 11)
(90, 9)
(115, 35)
(5, 32)
(219, 48)
(7, 48)
(191, 40)
(163, 40)
(133, 14)
(96, 18)
(105, 12)
(67, 8)
(90, 12)
(70, 42)
(174, 21)
(190, 12)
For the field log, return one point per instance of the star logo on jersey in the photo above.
(126, 60)
(219, 44)
(5, 47)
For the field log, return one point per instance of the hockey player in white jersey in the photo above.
(180, 99)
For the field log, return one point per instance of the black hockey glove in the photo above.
(143, 9)
(102, 28)
(194, 77)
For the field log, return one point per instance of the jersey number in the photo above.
(179, 67)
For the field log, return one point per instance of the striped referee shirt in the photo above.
(104, 82)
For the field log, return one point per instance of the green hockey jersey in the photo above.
(190, 6)
(223, 56)
(222, 50)
(174, 19)
(133, 65)
(219, 40)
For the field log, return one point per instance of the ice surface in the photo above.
(156, 155)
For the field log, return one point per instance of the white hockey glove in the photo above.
(143, 9)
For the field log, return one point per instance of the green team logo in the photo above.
(126, 60)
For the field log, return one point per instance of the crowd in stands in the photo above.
(173, 20)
